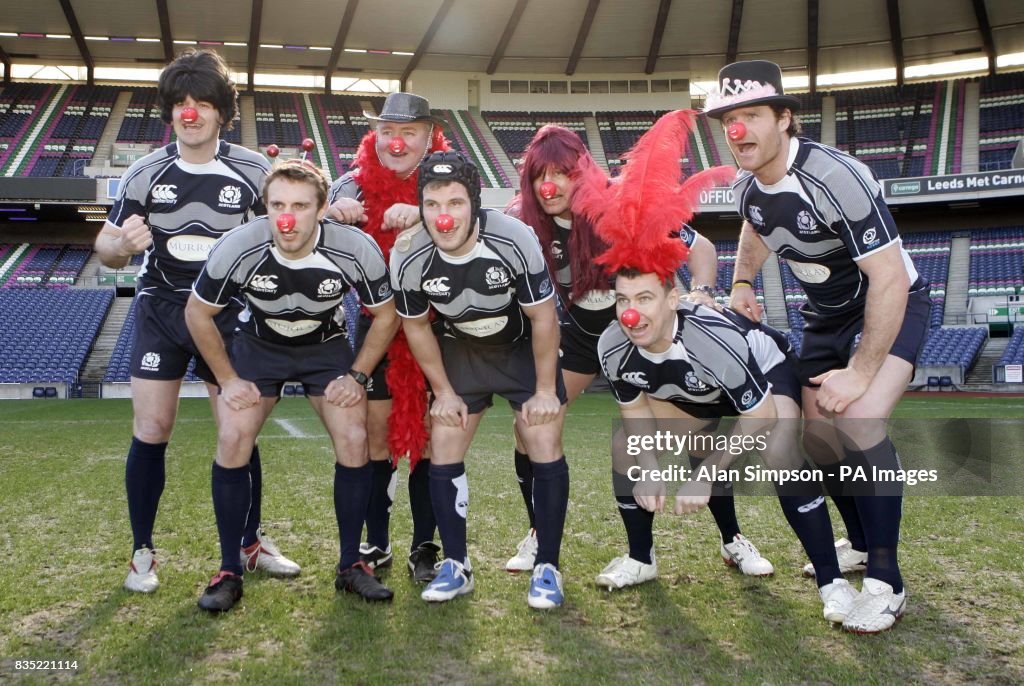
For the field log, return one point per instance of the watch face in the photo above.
(360, 378)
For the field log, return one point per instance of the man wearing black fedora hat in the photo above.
(379, 196)
(866, 314)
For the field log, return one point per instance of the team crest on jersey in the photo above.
(496, 277)
(151, 362)
(230, 196)
(263, 283)
(635, 379)
(165, 193)
(693, 383)
(805, 222)
(438, 286)
(556, 249)
(329, 288)
(755, 215)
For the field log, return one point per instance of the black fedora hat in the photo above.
(747, 84)
(404, 108)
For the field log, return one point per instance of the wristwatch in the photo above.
(361, 379)
(705, 289)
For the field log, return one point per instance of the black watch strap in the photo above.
(361, 379)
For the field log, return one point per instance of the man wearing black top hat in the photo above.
(379, 196)
(867, 308)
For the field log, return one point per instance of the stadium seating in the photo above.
(1000, 119)
(930, 253)
(45, 334)
(45, 265)
(948, 346)
(515, 130)
(20, 105)
(997, 261)
(1014, 353)
(465, 136)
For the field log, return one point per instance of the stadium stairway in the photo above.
(774, 295)
(110, 131)
(971, 132)
(596, 144)
(89, 276)
(30, 142)
(718, 136)
(981, 372)
(499, 152)
(247, 112)
(98, 359)
(956, 282)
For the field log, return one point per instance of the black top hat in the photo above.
(746, 84)
(404, 108)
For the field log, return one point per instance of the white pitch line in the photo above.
(293, 431)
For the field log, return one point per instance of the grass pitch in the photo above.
(65, 545)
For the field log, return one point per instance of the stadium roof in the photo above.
(389, 39)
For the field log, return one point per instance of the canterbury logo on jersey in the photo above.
(165, 193)
(635, 379)
(264, 283)
(438, 286)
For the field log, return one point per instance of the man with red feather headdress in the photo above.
(681, 367)
(379, 196)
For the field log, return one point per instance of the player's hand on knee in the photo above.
(650, 495)
(240, 394)
(541, 408)
(692, 496)
(344, 391)
(744, 301)
(401, 216)
(135, 235)
(449, 409)
(839, 388)
(347, 211)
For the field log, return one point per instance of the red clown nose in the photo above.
(548, 190)
(273, 150)
(308, 144)
(286, 223)
(630, 318)
(189, 115)
(396, 146)
(445, 223)
(736, 131)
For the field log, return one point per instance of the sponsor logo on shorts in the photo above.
(230, 196)
(329, 288)
(150, 362)
(165, 193)
(190, 248)
(635, 379)
(438, 286)
(263, 283)
(496, 277)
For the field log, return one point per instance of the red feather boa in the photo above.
(407, 432)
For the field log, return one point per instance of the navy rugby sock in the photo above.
(144, 476)
(881, 516)
(351, 497)
(252, 524)
(232, 492)
(722, 505)
(378, 513)
(524, 475)
(808, 517)
(423, 523)
(449, 494)
(551, 499)
(639, 522)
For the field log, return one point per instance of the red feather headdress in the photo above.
(637, 213)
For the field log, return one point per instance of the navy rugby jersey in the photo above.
(478, 295)
(592, 312)
(714, 357)
(294, 301)
(824, 216)
(188, 207)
